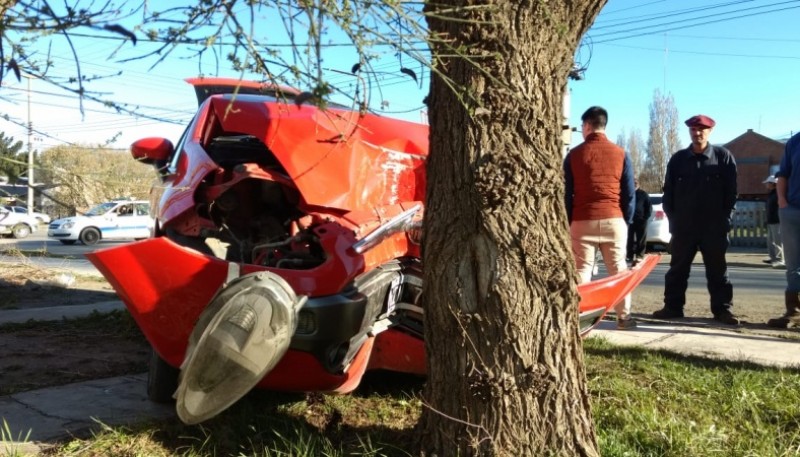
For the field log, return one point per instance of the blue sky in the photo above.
(737, 61)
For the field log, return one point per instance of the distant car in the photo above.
(41, 217)
(15, 224)
(115, 220)
(658, 228)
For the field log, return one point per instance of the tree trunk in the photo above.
(505, 360)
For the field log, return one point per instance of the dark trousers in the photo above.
(637, 239)
(712, 245)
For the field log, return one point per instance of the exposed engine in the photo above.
(257, 217)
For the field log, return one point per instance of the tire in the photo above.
(68, 242)
(162, 379)
(90, 236)
(20, 231)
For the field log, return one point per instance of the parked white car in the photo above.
(658, 228)
(41, 217)
(121, 219)
(17, 225)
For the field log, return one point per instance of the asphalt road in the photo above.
(750, 277)
(757, 288)
(55, 254)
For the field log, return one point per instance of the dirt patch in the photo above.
(41, 354)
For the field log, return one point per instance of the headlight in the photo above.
(68, 225)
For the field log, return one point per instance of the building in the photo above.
(757, 157)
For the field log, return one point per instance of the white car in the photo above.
(121, 219)
(658, 228)
(41, 217)
(17, 225)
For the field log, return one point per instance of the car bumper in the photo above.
(658, 233)
(62, 235)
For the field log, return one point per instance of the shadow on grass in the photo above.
(270, 423)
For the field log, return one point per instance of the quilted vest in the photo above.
(596, 166)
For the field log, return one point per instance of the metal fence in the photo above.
(749, 226)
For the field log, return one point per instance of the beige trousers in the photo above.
(610, 236)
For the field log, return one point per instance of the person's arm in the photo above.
(782, 187)
(569, 188)
(627, 199)
(730, 173)
(783, 174)
(648, 206)
(667, 203)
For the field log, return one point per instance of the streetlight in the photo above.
(30, 149)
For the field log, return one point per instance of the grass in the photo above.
(14, 251)
(652, 403)
(646, 403)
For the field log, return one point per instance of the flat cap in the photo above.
(700, 120)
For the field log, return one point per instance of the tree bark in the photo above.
(505, 360)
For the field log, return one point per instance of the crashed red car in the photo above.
(286, 250)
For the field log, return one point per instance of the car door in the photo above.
(141, 222)
(117, 222)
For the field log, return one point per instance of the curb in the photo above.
(57, 313)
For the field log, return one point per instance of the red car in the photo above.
(286, 250)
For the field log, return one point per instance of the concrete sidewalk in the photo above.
(57, 313)
(698, 339)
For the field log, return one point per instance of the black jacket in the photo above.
(772, 207)
(700, 190)
(643, 208)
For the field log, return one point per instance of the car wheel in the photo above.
(67, 242)
(20, 231)
(90, 236)
(162, 379)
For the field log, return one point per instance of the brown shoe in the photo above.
(792, 316)
(726, 317)
(626, 324)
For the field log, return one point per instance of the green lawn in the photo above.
(646, 403)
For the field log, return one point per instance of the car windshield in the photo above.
(101, 209)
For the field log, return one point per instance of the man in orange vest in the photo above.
(600, 203)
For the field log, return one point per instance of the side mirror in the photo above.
(152, 150)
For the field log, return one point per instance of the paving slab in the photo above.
(53, 413)
(706, 341)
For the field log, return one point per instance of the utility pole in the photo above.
(30, 150)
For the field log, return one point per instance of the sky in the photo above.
(736, 61)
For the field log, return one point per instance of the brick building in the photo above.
(757, 157)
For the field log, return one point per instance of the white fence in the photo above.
(749, 225)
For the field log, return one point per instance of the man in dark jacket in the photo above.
(637, 231)
(699, 197)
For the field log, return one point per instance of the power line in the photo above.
(664, 15)
(652, 32)
(721, 54)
